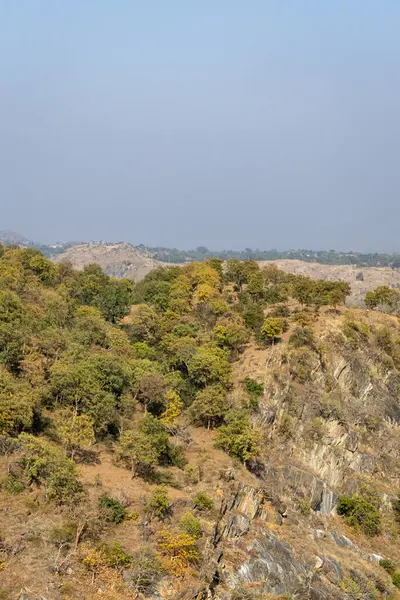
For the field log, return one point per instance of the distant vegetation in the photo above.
(325, 257)
(201, 253)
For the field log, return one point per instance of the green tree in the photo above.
(75, 432)
(191, 525)
(209, 365)
(231, 332)
(255, 285)
(139, 451)
(210, 406)
(159, 502)
(45, 465)
(272, 329)
(238, 438)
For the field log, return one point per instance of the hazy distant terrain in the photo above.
(117, 260)
(368, 277)
(125, 260)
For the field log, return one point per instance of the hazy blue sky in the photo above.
(228, 123)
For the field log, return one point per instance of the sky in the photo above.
(224, 123)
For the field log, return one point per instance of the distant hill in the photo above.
(117, 260)
(9, 237)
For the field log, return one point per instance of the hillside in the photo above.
(117, 260)
(124, 260)
(372, 277)
(201, 435)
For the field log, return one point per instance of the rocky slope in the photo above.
(329, 420)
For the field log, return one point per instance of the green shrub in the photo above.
(64, 534)
(302, 336)
(144, 570)
(238, 438)
(46, 465)
(360, 511)
(253, 387)
(388, 565)
(159, 502)
(202, 502)
(115, 555)
(112, 508)
(396, 579)
(13, 485)
(191, 525)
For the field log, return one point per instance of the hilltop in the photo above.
(117, 260)
(125, 260)
(201, 434)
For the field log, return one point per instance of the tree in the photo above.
(139, 451)
(237, 437)
(115, 299)
(272, 329)
(178, 550)
(255, 285)
(209, 365)
(231, 332)
(303, 289)
(75, 432)
(150, 391)
(45, 464)
(382, 296)
(236, 272)
(173, 410)
(159, 502)
(210, 406)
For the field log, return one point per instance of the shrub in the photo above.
(159, 502)
(302, 336)
(272, 329)
(191, 525)
(237, 437)
(13, 485)
(45, 464)
(115, 555)
(145, 568)
(64, 534)
(396, 579)
(253, 387)
(388, 565)
(202, 502)
(360, 511)
(178, 550)
(112, 508)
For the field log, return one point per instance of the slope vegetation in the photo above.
(206, 433)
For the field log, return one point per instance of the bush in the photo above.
(396, 579)
(144, 570)
(45, 464)
(237, 437)
(272, 329)
(360, 512)
(159, 502)
(191, 525)
(388, 565)
(178, 550)
(115, 555)
(113, 509)
(253, 387)
(302, 336)
(202, 502)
